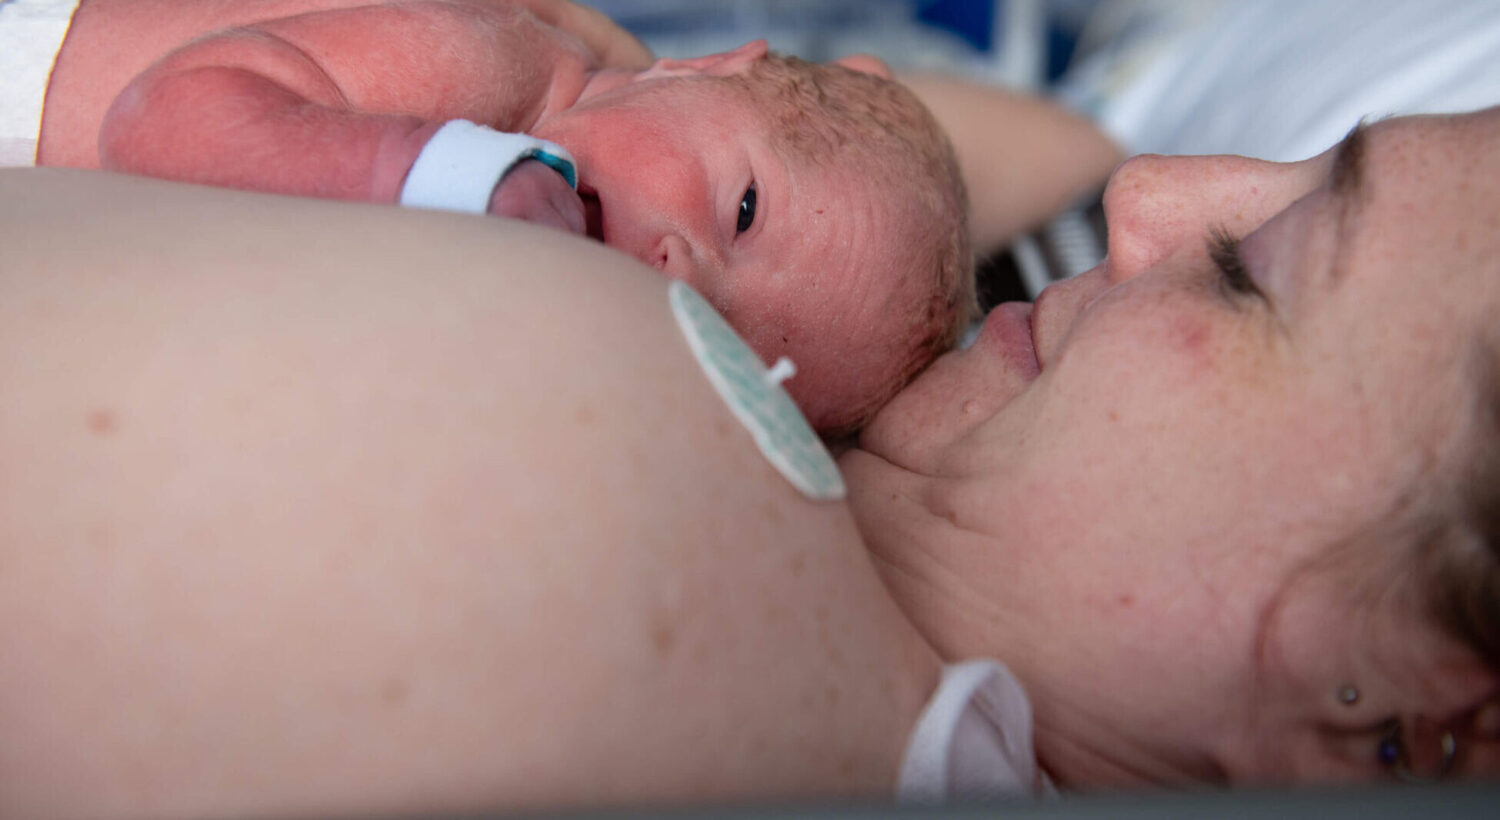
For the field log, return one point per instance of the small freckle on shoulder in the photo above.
(394, 692)
(663, 636)
(101, 422)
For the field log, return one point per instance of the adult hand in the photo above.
(533, 192)
(613, 46)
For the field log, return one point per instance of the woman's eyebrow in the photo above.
(1348, 175)
(1347, 181)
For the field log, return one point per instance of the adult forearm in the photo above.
(611, 45)
(1024, 157)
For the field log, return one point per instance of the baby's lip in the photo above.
(593, 211)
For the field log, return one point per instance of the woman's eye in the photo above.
(1224, 250)
(747, 212)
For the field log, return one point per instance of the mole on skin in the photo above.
(102, 422)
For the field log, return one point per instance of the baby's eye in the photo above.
(747, 211)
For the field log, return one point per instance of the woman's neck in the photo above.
(1093, 667)
(1082, 751)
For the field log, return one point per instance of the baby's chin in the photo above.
(840, 382)
(836, 400)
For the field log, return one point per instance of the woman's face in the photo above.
(1165, 445)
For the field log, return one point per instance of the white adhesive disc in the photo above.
(756, 399)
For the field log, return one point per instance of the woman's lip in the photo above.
(1041, 316)
(1010, 329)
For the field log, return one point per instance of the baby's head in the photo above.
(818, 207)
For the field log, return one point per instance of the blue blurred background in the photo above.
(1023, 43)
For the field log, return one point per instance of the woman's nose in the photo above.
(1155, 206)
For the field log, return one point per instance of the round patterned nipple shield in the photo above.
(756, 399)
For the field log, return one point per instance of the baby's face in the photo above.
(687, 177)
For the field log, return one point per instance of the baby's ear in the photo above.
(716, 65)
(866, 64)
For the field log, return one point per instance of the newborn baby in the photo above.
(818, 207)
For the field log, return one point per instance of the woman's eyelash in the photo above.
(1224, 251)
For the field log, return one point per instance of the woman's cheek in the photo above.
(1138, 361)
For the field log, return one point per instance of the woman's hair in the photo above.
(1463, 573)
(1444, 520)
(860, 123)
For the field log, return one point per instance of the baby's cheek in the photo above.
(793, 334)
(845, 365)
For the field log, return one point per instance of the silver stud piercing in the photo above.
(1348, 695)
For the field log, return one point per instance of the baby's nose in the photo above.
(674, 257)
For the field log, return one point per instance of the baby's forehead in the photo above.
(786, 86)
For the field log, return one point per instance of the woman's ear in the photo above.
(866, 64)
(722, 64)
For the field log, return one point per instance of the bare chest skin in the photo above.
(335, 566)
(111, 42)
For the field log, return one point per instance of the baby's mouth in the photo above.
(593, 212)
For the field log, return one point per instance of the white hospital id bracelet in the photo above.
(460, 166)
(755, 396)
